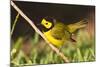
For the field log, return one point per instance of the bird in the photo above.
(58, 33)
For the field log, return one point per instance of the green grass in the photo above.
(41, 53)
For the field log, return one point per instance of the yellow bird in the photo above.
(57, 33)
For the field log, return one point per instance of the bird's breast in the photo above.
(53, 40)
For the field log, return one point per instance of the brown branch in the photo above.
(39, 32)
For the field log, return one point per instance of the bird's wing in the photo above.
(58, 31)
(76, 26)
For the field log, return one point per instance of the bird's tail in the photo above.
(81, 23)
(75, 26)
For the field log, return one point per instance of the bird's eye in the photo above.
(46, 23)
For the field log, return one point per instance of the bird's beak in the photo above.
(39, 24)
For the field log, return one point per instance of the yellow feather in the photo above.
(52, 40)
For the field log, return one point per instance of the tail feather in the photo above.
(78, 25)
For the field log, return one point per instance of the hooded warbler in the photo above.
(58, 33)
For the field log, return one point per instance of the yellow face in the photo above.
(46, 24)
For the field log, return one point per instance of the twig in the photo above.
(39, 32)
(15, 21)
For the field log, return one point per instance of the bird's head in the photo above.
(47, 23)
